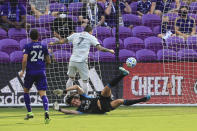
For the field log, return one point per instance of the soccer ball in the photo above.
(131, 62)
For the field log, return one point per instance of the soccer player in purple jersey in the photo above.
(34, 59)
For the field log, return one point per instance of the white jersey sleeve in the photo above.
(94, 41)
(71, 37)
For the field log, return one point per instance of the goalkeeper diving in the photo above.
(79, 58)
(99, 105)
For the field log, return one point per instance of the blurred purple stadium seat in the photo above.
(124, 32)
(9, 45)
(59, 7)
(193, 7)
(142, 32)
(151, 20)
(110, 43)
(31, 20)
(23, 42)
(91, 56)
(16, 56)
(187, 55)
(74, 8)
(134, 43)
(4, 57)
(124, 54)
(175, 43)
(45, 21)
(131, 19)
(167, 55)
(62, 56)
(157, 30)
(104, 56)
(102, 32)
(17, 34)
(79, 29)
(3, 34)
(146, 55)
(74, 18)
(192, 42)
(153, 43)
(44, 33)
(133, 6)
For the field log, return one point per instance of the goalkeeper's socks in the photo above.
(27, 101)
(116, 80)
(45, 103)
(131, 102)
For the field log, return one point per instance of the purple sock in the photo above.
(45, 103)
(27, 101)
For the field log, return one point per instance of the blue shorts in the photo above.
(39, 79)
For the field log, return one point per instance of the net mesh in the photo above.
(63, 19)
(166, 66)
(179, 54)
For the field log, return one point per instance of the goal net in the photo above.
(179, 51)
(54, 20)
(164, 44)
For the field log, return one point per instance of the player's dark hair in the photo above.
(70, 97)
(88, 28)
(34, 35)
(184, 6)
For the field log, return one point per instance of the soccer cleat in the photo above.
(56, 106)
(148, 97)
(124, 71)
(29, 115)
(46, 118)
(58, 92)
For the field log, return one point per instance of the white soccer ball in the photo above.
(131, 62)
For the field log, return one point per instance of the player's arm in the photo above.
(61, 41)
(24, 64)
(48, 59)
(194, 28)
(178, 4)
(153, 6)
(70, 112)
(75, 87)
(103, 49)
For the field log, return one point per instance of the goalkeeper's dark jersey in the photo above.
(89, 105)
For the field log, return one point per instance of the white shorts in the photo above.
(81, 67)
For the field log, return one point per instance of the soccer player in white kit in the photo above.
(79, 58)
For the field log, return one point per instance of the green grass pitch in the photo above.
(122, 119)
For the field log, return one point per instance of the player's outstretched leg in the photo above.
(118, 102)
(106, 92)
(115, 81)
(28, 104)
(131, 102)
